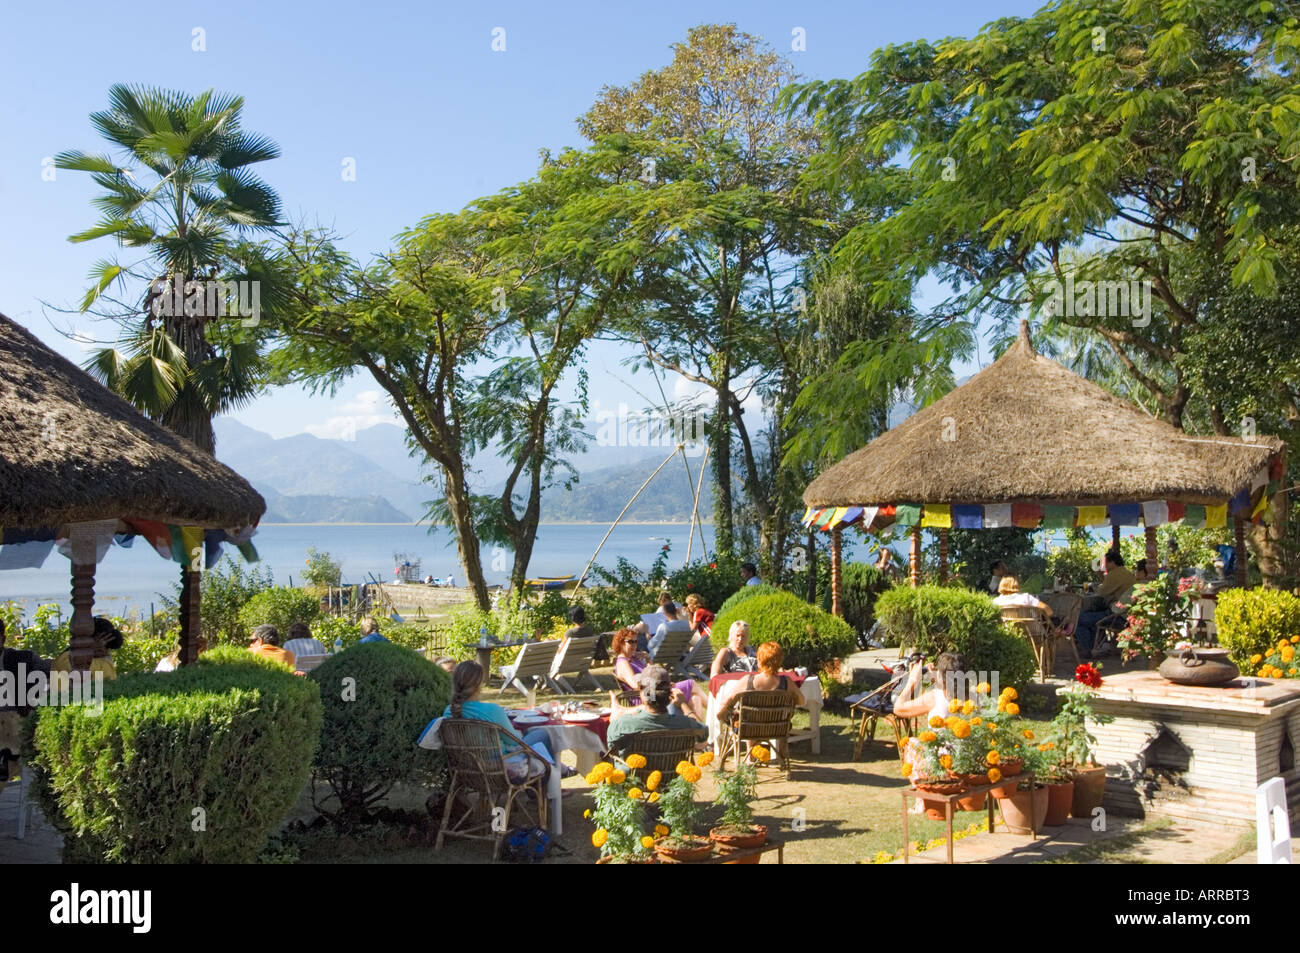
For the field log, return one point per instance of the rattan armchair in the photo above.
(759, 717)
(482, 781)
(663, 750)
(1029, 620)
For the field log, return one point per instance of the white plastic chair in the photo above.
(1272, 826)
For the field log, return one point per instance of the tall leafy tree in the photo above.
(178, 187)
(721, 165)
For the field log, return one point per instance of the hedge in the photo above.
(810, 636)
(1251, 621)
(200, 765)
(743, 594)
(377, 698)
(936, 619)
(280, 606)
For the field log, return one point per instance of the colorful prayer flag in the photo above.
(908, 514)
(937, 516)
(997, 515)
(1093, 516)
(1058, 517)
(1026, 515)
(966, 516)
(1216, 517)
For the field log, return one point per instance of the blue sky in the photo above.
(413, 92)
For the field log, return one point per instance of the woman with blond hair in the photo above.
(739, 655)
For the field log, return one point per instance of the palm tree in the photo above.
(183, 193)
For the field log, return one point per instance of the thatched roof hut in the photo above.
(72, 451)
(1027, 429)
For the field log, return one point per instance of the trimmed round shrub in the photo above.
(377, 698)
(199, 765)
(741, 595)
(280, 606)
(862, 584)
(936, 619)
(1252, 621)
(810, 636)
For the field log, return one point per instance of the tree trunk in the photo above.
(812, 565)
(724, 538)
(1270, 542)
(186, 417)
(462, 517)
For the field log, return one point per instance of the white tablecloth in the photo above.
(812, 693)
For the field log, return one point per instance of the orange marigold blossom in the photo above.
(967, 708)
(599, 837)
(928, 736)
(661, 830)
(654, 796)
(652, 782)
(954, 705)
(936, 721)
(977, 721)
(994, 775)
(1028, 734)
(617, 777)
(906, 769)
(635, 761)
(634, 794)
(647, 842)
(1013, 709)
(993, 757)
(704, 759)
(945, 760)
(983, 688)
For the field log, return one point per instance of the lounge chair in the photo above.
(699, 660)
(573, 660)
(671, 650)
(531, 669)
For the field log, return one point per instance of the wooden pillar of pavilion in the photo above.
(943, 556)
(812, 565)
(837, 579)
(1153, 553)
(191, 592)
(914, 558)
(81, 647)
(1239, 544)
(1114, 536)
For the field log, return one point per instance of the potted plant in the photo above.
(1025, 807)
(678, 814)
(1074, 742)
(736, 793)
(1059, 781)
(620, 813)
(1159, 615)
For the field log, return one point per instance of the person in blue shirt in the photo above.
(370, 631)
(466, 685)
(749, 573)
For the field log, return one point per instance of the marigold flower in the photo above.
(661, 830)
(993, 757)
(1285, 643)
(907, 770)
(977, 720)
(1013, 709)
(1009, 694)
(654, 796)
(1002, 704)
(682, 768)
(1051, 745)
(968, 707)
(945, 760)
(1028, 734)
(1042, 747)
(587, 813)
(593, 778)
(953, 706)
(652, 782)
(634, 794)
(928, 736)
(936, 721)
(961, 729)
(617, 777)
(761, 754)
(598, 839)
(1256, 659)
(704, 759)
(647, 842)
(994, 775)
(1295, 639)
(635, 761)
(983, 688)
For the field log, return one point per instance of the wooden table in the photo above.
(483, 653)
(950, 799)
(729, 855)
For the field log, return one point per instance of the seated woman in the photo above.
(768, 678)
(948, 683)
(657, 691)
(108, 638)
(1009, 594)
(739, 655)
(466, 685)
(699, 616)
(628, 667)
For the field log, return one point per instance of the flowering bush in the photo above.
(679, 810)
(1252, 622)
(1070, 726)
(1159, 616)
(620, 812)
(1280, 662)
(978, 736)
(736, 792)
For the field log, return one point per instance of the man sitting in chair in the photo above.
(1116, 587)
(657, 691)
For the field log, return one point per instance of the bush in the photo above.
(1073, 562)
(321, 569)
(232, 735)
(377, 698)
(741, 595)
(936, 619)
(712, 580)
(139, 653)
(862, 585)
(810, 636)
(1252, 621)
(224, 591)
(280, 606)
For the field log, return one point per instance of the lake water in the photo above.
(129, 579)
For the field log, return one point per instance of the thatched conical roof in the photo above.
(71, 451)
(1025, 429)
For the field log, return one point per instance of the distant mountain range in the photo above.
(374, 479)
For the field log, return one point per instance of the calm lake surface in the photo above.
(128, 580)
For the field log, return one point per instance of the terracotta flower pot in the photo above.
(1089, 788)
(756, 837)
(684, 850)
(1059, 798)
(1010, 767)
(973, 803)
(1005, 790)
(1016, 810)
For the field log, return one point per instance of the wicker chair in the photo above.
(870, 718)
(762, 717)
(1029, 620)
(1066, 607)
(662, 750)
(479, 777)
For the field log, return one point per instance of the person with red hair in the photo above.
(628, 665)
(768, 678)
